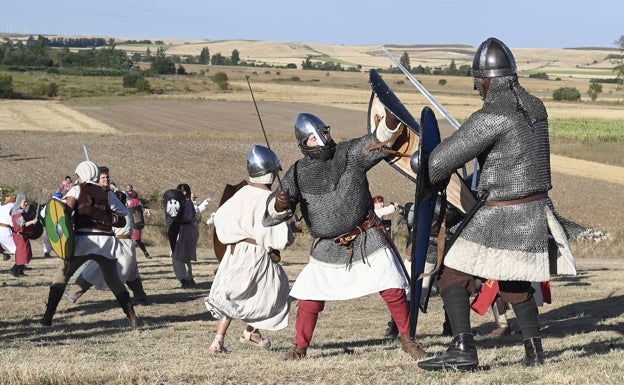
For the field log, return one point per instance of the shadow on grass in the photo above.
(600, 315)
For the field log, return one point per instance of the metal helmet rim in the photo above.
(493, 59)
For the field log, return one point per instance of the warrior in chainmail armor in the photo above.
(507, 239)
(351, 255)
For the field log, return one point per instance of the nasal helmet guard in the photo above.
(308, 124)
(262, 165)
(493, 59)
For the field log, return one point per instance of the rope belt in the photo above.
(512, 202)
(274, 254)
(120, 236)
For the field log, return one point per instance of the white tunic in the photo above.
(322, 282)
(248, 285)
(6, 235)
(125, 251)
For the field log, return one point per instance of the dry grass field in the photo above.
(201, 136)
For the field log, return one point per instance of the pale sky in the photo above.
(520, 24)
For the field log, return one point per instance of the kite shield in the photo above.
(383, 102)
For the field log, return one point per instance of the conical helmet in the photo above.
(493, 59)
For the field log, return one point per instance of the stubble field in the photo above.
(202, 138)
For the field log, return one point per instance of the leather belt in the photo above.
(347, 238)
(87, 233)
(274, 254)
(530, 198)
(248, 240)
(120, 236)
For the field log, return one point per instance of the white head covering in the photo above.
(264, 179)
(88, 171)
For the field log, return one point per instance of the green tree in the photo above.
(204, 56)
(405, 61)
(570, 94)
(131, 79)
(162, 65)
(594, 90)
(452, 70)
(235, 58)
(217, 59)
(6, 86)
(307, 64)
(619, 63)
(221, 79)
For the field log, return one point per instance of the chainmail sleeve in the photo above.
(288, 184)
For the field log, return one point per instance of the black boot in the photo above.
(446, 326)
(533, 352)
(461, 356)
(56, 293)
(14, 271)
(138, 293)
(126, 304)
(392, 332)
(20, 271)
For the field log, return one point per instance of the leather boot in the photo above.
(295, 353)
(533, 352)
(14, 271)
(126, 304)
(76, 290)
(413, 347)
(138, 293)
(461, 356)
(56, 293)
(392, 332)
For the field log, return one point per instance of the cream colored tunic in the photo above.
(248, 285)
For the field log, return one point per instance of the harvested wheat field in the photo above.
(155, 143)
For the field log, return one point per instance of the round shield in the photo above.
(60, 228)
(138, 217)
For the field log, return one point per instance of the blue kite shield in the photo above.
(424, 208)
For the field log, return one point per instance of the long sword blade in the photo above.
(84, 147)
(447, 115)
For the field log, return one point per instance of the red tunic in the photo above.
(23, 250)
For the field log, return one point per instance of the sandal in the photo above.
(218, 347)
(254, 338)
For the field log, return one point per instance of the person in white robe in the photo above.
(250, 284)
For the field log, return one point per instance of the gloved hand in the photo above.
(282, 201)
